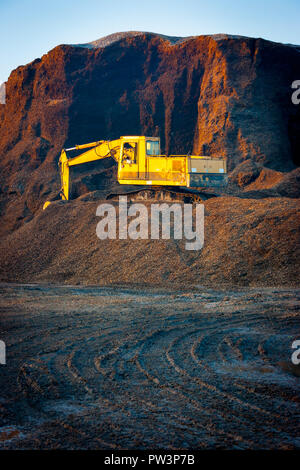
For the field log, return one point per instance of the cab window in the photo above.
(152, 147)
(129, 152)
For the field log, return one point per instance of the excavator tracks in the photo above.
(164, 194)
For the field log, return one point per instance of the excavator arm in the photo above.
(98, 151)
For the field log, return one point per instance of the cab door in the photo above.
(129, 165)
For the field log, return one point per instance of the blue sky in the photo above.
(30, 28)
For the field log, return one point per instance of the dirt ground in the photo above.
(136, 368)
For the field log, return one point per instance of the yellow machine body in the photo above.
(140, 163)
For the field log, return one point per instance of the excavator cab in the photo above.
(150, 167)
(134, 152)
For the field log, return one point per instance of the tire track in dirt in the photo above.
(144, 369)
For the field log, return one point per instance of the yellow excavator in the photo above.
(140, 163)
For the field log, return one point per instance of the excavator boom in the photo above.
(98, 151)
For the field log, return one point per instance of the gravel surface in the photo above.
(129, 368)
(247, 242)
